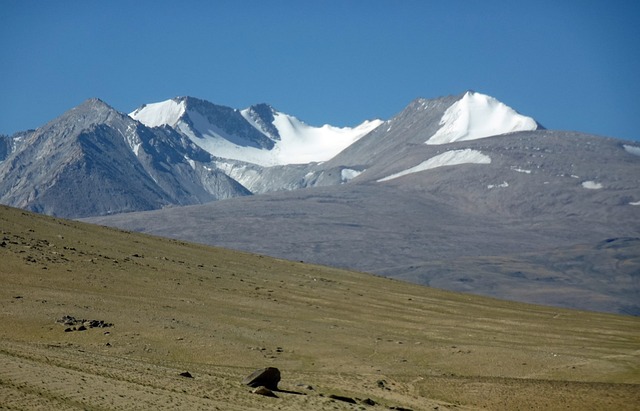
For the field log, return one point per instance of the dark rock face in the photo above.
(229, 120)
(267, 377)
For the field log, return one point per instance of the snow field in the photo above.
(632, 149)
(299, 143)
(448, 158)
(592, 185)
(157, 114)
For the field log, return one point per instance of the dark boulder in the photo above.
(267, 377)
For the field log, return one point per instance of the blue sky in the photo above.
(572, 65)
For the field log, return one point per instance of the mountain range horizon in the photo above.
(459, 192)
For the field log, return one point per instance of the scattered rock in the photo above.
(267, 377)
(82, 324)
(186, 374)
(342, 398)
(261, 390)
(398, 408)
(368, 401)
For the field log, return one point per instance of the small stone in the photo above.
(368, 401)
(186, 374)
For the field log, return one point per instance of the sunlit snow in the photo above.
(448, 158)
(477, 116)
(635, 150)
(591, 185)
(521, 170)
(299, 143)
(157, 114)
(349, 174)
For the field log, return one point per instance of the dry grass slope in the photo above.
(220, 314)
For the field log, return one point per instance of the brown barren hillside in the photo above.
(163, 307)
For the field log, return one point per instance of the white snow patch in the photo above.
(635, 203)
(477, 116)
(521, 170)
(349, 174)
(591, 185)
(632, 149)
(136, 149)
(448, 158)
(503, 185)
(156, 114)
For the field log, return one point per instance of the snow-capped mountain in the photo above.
(259, 134)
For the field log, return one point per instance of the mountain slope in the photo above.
(93, 160)
(218, 314)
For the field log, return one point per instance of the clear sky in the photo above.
(572, 65)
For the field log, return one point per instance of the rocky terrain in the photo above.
(188, 323)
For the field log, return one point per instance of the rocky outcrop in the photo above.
(266, 377)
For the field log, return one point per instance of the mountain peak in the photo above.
(94, 103)
(476, 115)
